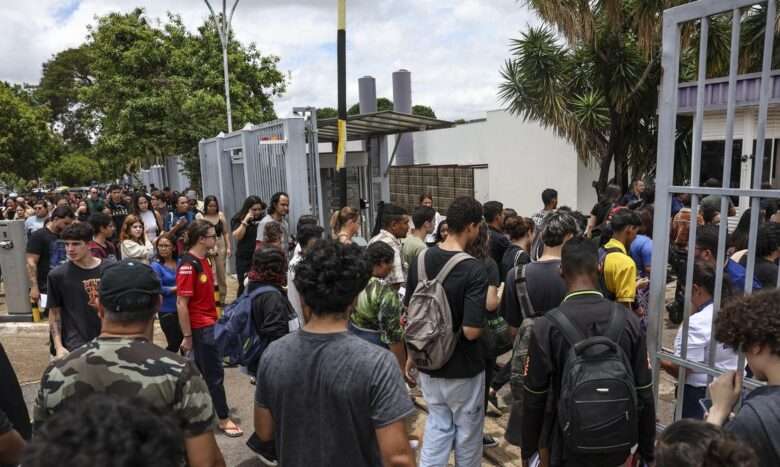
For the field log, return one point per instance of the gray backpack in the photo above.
(430, 335)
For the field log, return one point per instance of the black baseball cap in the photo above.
(128, 285)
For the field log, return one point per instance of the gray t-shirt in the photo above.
(267, 219)
(328, 393)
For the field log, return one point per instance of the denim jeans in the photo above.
(366, 335)
(456, 414)
(209, 363)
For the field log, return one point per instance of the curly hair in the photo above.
(108, 430)
(269, 264)
(695, 443)
(379, 253)
(748, 321)
(331, 275)
(273, 232)
(518, 227)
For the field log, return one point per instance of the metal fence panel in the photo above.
(700, 13)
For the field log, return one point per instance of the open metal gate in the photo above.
(699, 14)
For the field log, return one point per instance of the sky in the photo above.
(454, 49)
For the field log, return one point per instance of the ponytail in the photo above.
(380, 213)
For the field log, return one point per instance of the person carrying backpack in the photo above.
(618, 278)
(588, 358)
(445, 299)
(531, 291)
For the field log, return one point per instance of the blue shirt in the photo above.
(677, 205)
(167, 282)
(642, 253)
(737, 274)
(173, 217)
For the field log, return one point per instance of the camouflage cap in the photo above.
(127, 284)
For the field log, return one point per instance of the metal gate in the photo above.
(698, 14)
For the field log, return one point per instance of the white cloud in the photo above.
(453, 49)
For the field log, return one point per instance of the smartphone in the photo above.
(706, 404)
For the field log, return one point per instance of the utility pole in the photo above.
(223, 23)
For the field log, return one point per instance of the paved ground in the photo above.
(27, 347)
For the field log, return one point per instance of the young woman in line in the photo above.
(345, 224)
(219, 255)
(134, 244)
(164, 265)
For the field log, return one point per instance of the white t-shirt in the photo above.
(292, 292)
(699, 328)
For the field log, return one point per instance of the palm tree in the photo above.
(592, 75)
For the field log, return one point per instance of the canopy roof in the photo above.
(388, 122)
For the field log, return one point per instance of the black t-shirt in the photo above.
(498, 242)
(466, 289)
(758, 424)
(546, 289)
(590, 313)
(51, 251)
(245, 247)
(513, 256)
(765, 272)
(118, 213)
(327, 394)
(74, 290)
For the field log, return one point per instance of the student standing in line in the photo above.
(177, 222)
(345, 224)
(698, 343)
(377, 314)
(197, 315)
(307, 236)
(521, 232)
(223, 251)
(102, 230)
(550, 201)
(499, 242)
(273, 317)
(392, 225)
(165, 265)
(751, 323)
(244, 226)
(73, 288)
(414, 243)
(277, 213)
(455, 392)
(587, 313)
(426, 200)
(117, 208)
(324, 396)
(133, 239)
(45, 251)
(38, 219)
(152, 220)
(618, 269)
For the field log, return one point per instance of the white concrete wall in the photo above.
(522, 157)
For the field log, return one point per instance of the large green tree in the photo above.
(592, 74)
(139, 90)
(26, 144)
(73, 170)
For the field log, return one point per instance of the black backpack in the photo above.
(597, 407)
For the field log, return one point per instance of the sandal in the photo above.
(231, 430)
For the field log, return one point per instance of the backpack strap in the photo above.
(565, 326)
(450, 265)
(521, 290)
(421, 274)
(194, 261)
(617, 323)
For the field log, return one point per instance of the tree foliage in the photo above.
(26, 144)
(140, 90)
(73, 170)
(592, 74)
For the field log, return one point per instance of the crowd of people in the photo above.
(344, 336)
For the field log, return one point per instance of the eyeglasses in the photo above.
(210, 236)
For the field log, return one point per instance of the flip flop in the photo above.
(232, 432)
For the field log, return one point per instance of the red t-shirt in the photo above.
(200, 289)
